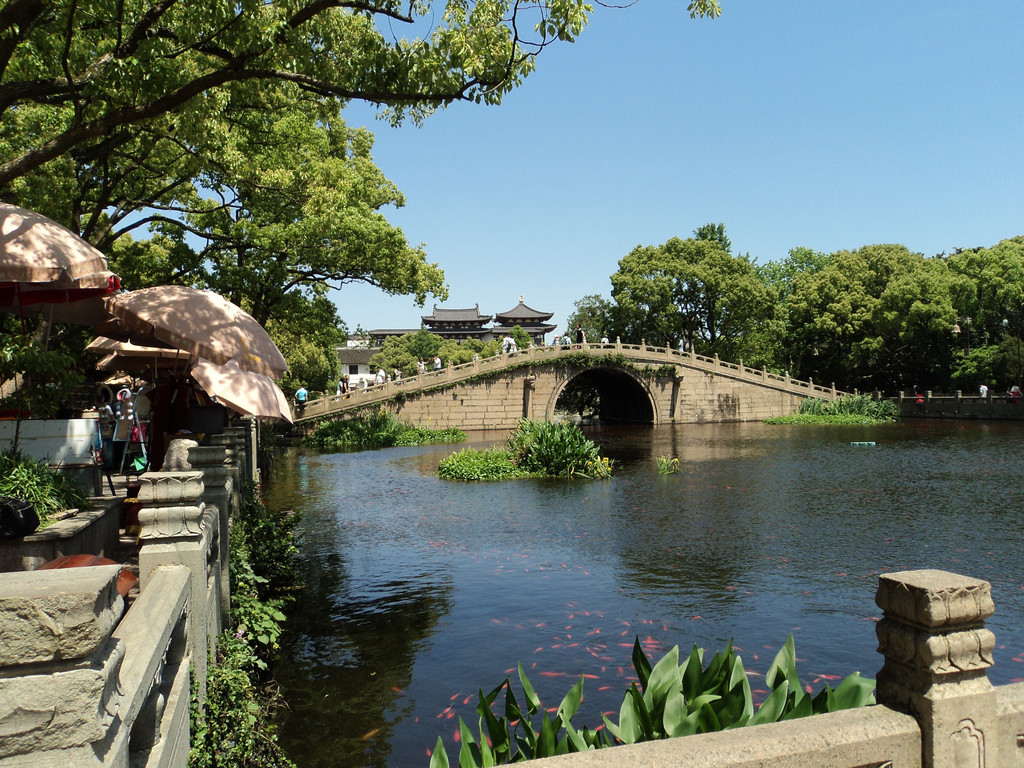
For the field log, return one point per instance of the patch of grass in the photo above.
(471, 464)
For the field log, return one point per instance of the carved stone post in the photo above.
(212, 460)
(229, 441)
(936, 652)
(178, 528)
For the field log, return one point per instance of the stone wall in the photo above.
(91, 531)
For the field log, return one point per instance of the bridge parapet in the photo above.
(634, 353)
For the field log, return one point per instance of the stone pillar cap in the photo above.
(57, 614)
(934, 599)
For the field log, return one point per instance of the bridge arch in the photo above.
(624, 398)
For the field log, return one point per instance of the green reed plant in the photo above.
(667, 466)
(849, 409)
(673, 699)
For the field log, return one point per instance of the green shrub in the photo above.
(378, 430)
(236, 728)
(471, 464)
(672, 700)
(49, 491)
(535, 448)
(552, 448)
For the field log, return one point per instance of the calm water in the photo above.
(419, 591)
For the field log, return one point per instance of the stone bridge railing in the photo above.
(637, 353)
(84, 683)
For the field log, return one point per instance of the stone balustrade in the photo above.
(83, 685)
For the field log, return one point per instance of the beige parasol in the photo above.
(35, 249)
(202, 323)
(242, 391)
(47, 269)
(125, 356)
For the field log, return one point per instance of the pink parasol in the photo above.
(47, 269)
(242, 391)
(35, 249)
(202, 323)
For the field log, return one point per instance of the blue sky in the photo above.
(803, 123)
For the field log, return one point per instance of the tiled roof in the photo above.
(522, 312)
(457, 316)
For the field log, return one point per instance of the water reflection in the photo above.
(420, 592)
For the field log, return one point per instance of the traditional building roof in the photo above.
(522, 313)
(471, 324)
(463, 316)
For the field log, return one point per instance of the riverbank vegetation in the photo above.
(236, 729)
(880, 317)
(49, 491)
(851, 409)
(673, 699)
(534, 449)
(380, 429)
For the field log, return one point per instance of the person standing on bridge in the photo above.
(421, 367)
(580, 336)
(437, 363)
(301, 395)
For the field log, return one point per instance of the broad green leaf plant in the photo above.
(672, 699)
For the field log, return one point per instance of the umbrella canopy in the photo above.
(80, 304)
(202, 323)
(35, 249)
(242, 391)
(125, 356)
(48, 270)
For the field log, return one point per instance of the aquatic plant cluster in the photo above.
(378, 430)
(672, 700)
(49, 491)
(849, 409)
(534, 449)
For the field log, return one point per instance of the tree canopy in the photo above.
(218, 125)
(84, 76)
(691, 290)
(877, 317)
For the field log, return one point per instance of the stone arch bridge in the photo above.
(637, 384)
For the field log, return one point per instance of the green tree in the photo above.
(714, 233)
(988, 287)
(85, 77)
(692, 290)
(594, 314)
(521, 337)
(877, 317)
